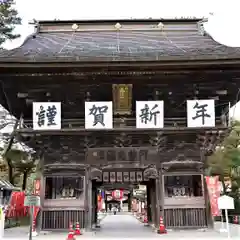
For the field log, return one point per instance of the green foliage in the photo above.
(20, 163)
(8, 20)
(225, 162)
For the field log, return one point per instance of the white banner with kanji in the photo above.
(98, 115)
(201, 113)
(149, 114)
(46, 115)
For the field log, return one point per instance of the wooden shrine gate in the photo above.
(127, 166)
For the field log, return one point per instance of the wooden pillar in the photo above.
(149, 204)
(157, 189)
(153, 201)
(161, 192)
(90, 205)
(88, 200)
(42, 199)
(130, 201)
(209, 218)
(105, 199)
(94, 203)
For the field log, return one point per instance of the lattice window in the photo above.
(189, 186)
(64, 187)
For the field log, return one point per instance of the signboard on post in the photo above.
(32, 201)
(225, 202)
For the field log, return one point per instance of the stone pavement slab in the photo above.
(234, 229)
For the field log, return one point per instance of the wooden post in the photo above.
(149, 204)
(95, 207)
(157, 190)
(153, 202)
(130, 201)
(209, 220)
(88, 199)
(90, 205)
(161, 189)
(42, 200)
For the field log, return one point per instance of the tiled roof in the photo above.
(123, 45)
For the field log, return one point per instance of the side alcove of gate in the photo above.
(184, 194)
(63, 196)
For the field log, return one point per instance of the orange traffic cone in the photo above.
(162, 229)
(70, 233)
(77, 229)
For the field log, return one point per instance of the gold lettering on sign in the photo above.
(122, 98)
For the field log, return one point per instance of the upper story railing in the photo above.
(129, 123)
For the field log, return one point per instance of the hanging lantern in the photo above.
(117, 194)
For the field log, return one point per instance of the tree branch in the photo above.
(11, 141)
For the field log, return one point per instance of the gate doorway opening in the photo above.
(138, 195)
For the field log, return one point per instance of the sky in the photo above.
(223, 15)
(220, 25)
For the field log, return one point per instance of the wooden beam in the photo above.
(133, 130)
(165, 62)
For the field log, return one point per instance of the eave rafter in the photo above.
(189, 149)
(208, 140)
(158, 140)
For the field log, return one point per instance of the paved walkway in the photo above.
(125, 225)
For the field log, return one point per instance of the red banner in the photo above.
(214, 194)
(37, 186)
(37, 192)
